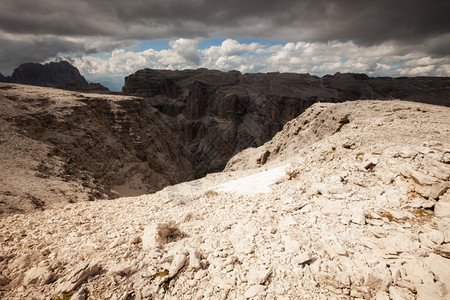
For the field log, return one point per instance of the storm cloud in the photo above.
(37, 30)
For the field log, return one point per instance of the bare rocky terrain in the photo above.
(348, 201)
(59, 147)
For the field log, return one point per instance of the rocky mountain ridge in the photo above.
(54, 74)
(348, 201)
(223, 113)
(114, 145)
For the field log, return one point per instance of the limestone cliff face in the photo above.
(58, 146)
(222, 113)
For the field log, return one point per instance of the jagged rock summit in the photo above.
(348, 201)
(54, 74)
(51, 74)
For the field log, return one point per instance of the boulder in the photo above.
(160, 234)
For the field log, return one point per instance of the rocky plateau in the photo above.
(223, 113)
(348, 201)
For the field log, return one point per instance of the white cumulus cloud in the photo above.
(317, 58)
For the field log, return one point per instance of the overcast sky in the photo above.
(109, 39)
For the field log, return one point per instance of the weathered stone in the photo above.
(416, 272)
(400, 242)
(419, 177)
(81, 294)
(439, 265)
(79, 275)
(41, 275)
(330, 208)
(194, 259)
(291, 245)
(436, 236)
(287, 221)
(382, 296)
(432, 191)
(397, 293)
(254, 290)
(259, 277)
(358, 217)
(443, 250)
(408, 153)
(442, 210)
(122, 269)
(393, 198)
(160, 234)
(177, 263)
(433, 290)
(377, 279)
(303, 258)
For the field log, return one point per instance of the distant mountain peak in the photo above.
(51, 74)
(54, 74)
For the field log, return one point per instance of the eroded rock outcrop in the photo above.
(222, 113)
(58, 147)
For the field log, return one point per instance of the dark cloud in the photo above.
(92, 26)
(15, 52)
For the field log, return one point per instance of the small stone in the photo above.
(194, 259)
(393, 198)
(377, 279)
(420, 178)
(439, 265)
(397, 293)
(40, 275)
(287, 221)
(121, 269)
(434, 290)
(415, 271)
(79, 295)
(339, 249)
(382, 296)
(399, 243)
(442, 210)
(303, 258)
(332, 208)
(79, 275)
(245, 245)
(177, 264)
(433, 191)
(291, 245)
(254, 290)
(259, 277)
(359, 218)
(407, 153)
(436, 237)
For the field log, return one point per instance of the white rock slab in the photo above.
(254, 184)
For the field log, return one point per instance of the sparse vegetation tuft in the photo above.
(360, 155)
